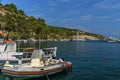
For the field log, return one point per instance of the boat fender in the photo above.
(61, 60)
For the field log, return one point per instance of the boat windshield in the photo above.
(38, 54)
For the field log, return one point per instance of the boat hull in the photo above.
(41, 72)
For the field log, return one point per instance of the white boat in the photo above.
(7, 49)
(38, 66)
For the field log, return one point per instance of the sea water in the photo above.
(91, 60)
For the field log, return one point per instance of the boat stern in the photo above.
(67, 64)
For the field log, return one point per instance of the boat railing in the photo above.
(27, 52)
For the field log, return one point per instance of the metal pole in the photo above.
(39, 43)
(45, 74)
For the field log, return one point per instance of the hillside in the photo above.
(17, 23)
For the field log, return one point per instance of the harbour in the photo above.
(59, 40)
(90, 60)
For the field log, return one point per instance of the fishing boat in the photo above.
(38, 66)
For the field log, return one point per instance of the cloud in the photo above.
(32, 8)
(56, 2)
(108, 4)
(52, 3)
(94, 18)
(63, 0)
(86, 17)
(117, 20)
(102, 17)
(40, 15)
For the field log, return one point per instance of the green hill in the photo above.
(17, 23)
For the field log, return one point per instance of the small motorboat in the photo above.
(39, 65)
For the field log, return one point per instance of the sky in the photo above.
(96, 16)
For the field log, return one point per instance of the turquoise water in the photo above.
(97, 60)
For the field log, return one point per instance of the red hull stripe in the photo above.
(37, 72)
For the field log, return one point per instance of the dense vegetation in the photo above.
(17, 23)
